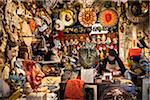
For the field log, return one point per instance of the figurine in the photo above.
(103, 39)
(34, 74)
(68, 66)
(94, 40)
(98, 41)
(67, 43)
(101, 55)
(74, 51)
(87, 40)
(3, 38)
(114, 40)
(76, 41)
(65, 50)
(111, 46)
(71, 42)
(108, 40)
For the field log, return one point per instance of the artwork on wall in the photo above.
(67, 17)
(108, 17)
(137, 12)
(87, 17)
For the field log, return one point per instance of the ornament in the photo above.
(98, 29)
(81, 39)
(98, 41)
(51, 3)
(94, 40)
(87, 17)
(67, 17)
(67, 43)
(108, 18)
(87, 40)
(76, 41)
(137, 13)
(77, 6)
(104, 47)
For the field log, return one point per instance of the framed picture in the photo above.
(93, 89)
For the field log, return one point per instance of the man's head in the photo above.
(112, 54)
(12, 50)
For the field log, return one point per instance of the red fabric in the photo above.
(33, 74)
(59, 36)
(74, 89)
(32, 25)
(135, 52)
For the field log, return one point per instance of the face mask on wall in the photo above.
(88, 55)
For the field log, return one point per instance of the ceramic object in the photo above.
(87, 17)
(108, 17)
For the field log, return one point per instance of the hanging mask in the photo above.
(88, 55)
(87, 17)
(67, 17)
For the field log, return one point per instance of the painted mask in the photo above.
(88, 55)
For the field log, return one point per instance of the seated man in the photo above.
(113, 63)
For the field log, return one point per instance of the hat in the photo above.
(112, 52)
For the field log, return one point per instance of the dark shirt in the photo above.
(102, 66)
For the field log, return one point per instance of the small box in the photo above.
(36, 96)
(107, 76)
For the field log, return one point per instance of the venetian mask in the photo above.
(88, 55)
